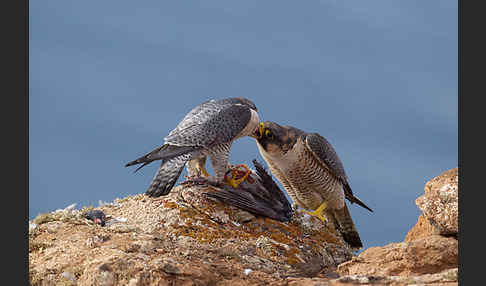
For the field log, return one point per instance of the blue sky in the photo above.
(109, 79)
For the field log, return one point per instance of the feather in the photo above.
(261, 196)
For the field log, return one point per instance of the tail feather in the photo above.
(167, 175)
(164, 152)
(356, 200)
(147, 158)
(141, 166)
(345, 225)
(352, 199)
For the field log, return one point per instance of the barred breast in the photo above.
(310, 179)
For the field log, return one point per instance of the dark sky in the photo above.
(110, 79)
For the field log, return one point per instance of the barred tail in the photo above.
(167, 175)
(345, 225)
(164, 152)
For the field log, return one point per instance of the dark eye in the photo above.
(268, 134)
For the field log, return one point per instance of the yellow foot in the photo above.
(233, 181)
(204, 171)
(318, 212)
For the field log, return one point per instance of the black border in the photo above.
(15, 134)
(471, 79)
(14, 119)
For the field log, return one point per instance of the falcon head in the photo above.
(246, 102)
(276, 139)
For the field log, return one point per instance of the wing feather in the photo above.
(214, 126)
(325, 153)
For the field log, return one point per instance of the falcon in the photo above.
(209, 129)
(311, 172)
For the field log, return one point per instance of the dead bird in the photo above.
(97, 216)
(258, 194)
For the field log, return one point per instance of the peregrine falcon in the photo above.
(209, 129)
(312, 174)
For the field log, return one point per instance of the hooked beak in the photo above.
(258, 131)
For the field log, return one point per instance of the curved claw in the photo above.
(204, 172)
(318, 212)
(234, 174)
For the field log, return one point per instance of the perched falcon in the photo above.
(207, 130)
(312, 174)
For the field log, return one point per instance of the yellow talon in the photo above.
(318, 212)
(204, 171)
(234, 173)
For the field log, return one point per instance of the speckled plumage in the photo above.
(209, 129)
(311, 172)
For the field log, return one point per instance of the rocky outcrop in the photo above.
(421, 229)
(430, 247)
(440, 207)
(186, 238)
(439, 203)
(445, 278)
(426, 255)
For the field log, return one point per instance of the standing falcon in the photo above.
(310, 170)
(207, 130)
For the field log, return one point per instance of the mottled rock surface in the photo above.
(421, 229)
(181, 238)
(444, 278)
(187, 239)
(426, 255)
(439, 203)
(429, 254)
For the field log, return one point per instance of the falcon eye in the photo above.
(268, 134)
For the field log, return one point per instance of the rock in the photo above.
(69, 276)
(422, 229)
(133, 282)
(182, 238)
(308, 282)
(242, 216)
(32, 227)
(186, 238)
(446, 277)
(439, 203)
(428, 255)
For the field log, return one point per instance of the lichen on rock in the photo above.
(439, 203)
(186, 238)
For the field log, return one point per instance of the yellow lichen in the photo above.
(171, 205)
